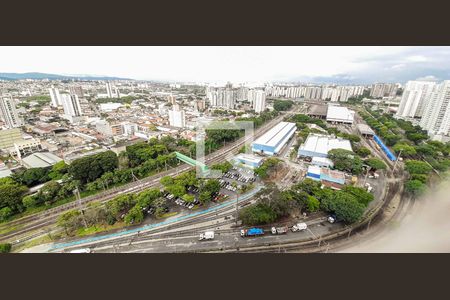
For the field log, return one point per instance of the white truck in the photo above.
(84, 250)
(299, 227)
(279, 230)
(369, 188)
(208, 235)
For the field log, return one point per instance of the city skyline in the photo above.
(341, 65)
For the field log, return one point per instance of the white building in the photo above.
(177, 118)
(8, 113)
(414, 98)
(109, 91)
(318, 145)
(55, 96)
(26, 147)
(260, 101)
(436, 114)
(71, 106)
(110, 106)
(340, 114)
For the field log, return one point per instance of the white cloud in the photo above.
(417, 58)
(237, 64)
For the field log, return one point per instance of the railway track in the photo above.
(217, 214)
(48, 217)
(331, 240)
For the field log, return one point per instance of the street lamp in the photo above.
(76, 192)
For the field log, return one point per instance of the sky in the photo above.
(340, 64)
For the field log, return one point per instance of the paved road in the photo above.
(221, 241)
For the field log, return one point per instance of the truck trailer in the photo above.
(252, 232)
(299, 227)
(279, 230)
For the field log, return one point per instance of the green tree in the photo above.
(5, 248)
(417, 167)
(415, 187)
(58, 170)
(29, 201)
(345, 160)
(5, 213)
(407, 150)
(360, 194)
(188, 198)
(312, 203)
(257, 214)
(11, 195)
(32, 177)
(375, 164)
(89, 168)
(282, 105)
(134, 215)
(363, 152)
(166, 181)
(204, 197)
(347, 207)
(421, 177)
(70, 221)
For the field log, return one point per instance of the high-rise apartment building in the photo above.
(380, 90)
(222, 97)
(171, 99)
(259, 104)
(8, 113)
(109, 91)
(76, 90)
(436, 113)
(55, 96)
(414, 98)
(71, 106)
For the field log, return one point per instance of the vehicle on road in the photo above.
(208, 235)
(333, 219)
(252, 232)
(84, 250)
(299, 227)
(279, 230)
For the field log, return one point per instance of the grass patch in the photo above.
(167, 215)
(9, 229)
(34, 242)
(98, 228)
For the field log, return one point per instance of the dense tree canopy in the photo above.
(375, 164)
(345, 160)
(282, 105)
(89, 168)
(417, 167)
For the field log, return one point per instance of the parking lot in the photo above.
(240, 176)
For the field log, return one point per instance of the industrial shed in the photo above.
(340, 114)
(317, 145)
(365, 130)
(40, 160)
(275, 139)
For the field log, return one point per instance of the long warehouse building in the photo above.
(275, 139)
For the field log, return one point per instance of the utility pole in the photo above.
(237, 200)
(396, 161)
(367, 173)
(77, 195)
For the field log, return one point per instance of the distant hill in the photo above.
(34, 75)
